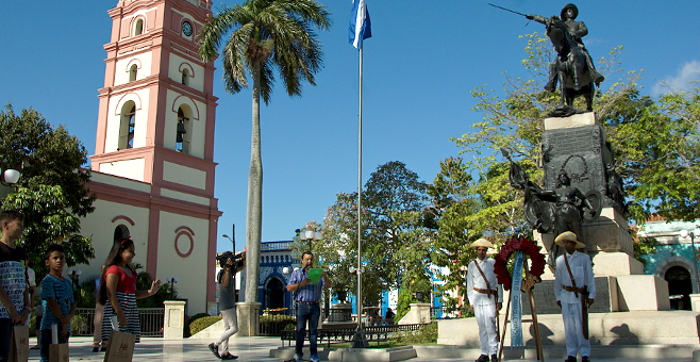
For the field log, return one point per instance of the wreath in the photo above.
(526, 246)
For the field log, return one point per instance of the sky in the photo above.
(420, 65)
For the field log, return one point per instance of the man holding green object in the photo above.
(307, 297)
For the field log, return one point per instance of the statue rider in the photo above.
(578, 30)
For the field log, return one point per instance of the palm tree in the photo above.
(266, 34)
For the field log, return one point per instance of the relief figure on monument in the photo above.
(563, 208)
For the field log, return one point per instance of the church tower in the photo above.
(153, 168)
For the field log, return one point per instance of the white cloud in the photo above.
(686, 78)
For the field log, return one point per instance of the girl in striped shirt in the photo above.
(118, 287)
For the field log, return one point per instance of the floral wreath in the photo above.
(514, 245)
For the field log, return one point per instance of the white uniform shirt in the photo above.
(582, 271)
(475, 280)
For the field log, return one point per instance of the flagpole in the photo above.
(359, 341)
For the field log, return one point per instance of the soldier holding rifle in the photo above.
(574, 287)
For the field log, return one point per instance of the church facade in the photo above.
(153, 168)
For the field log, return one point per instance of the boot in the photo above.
(494, 358)
(482, 358)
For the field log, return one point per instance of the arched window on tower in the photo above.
(138, 29)
(132, 73)
(182, 138)
(185, 76)
(127, 125)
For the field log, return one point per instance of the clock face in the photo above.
(187, 28)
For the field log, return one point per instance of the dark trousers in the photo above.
(311, 313)
(46, 340)
(5, 332)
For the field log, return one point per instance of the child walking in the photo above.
(118, 287)
(57, 300)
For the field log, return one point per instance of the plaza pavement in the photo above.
(251, 349)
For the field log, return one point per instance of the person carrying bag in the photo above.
(121, 345)
(58, 352)
(19, 344)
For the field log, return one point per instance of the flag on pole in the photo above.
(359, 23)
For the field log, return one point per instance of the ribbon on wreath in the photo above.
(516, 328)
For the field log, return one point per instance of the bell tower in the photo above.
(153, 163)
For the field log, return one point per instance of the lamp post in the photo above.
(693, 234)
(309, 236)
(74, 276)
(9, 177)
(172, 281)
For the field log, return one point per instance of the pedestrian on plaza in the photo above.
(485, 298)
(14, 294)
(57, 299)
(97, 319)
(307, 297)
(226, 281)
(574, 287)
(118, 291)
(389, 319)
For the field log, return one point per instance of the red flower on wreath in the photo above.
(518, 244)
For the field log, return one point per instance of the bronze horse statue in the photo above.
(573, 74)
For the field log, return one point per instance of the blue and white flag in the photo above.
(359, 23)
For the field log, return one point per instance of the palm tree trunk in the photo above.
(254, 211)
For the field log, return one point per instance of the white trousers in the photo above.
(485, 312)
(230, 328)
(573, 330)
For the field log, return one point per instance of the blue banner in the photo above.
(516, 328)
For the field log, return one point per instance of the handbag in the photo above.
(19, 344)
(120, 347)
(58, 352)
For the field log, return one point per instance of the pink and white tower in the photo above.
(153, 167)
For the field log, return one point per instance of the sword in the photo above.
(508, 10)
(584, 311)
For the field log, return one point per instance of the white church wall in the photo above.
(123, 65)
(116, 102)
(183, 245)
(133, 169)
(184, 196)
(175, 67)
(100, 226)
(184, 175)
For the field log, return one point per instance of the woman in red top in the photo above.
(118, 287)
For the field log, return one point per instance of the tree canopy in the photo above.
(51, 191)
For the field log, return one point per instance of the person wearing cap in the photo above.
(573, 279)
(578, 30)
(485, 298)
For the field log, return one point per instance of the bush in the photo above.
(189, 321)
(78, 325)
(273, 325)
(203, 323)
(427, 334)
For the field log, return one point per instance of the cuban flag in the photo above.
(359, 23)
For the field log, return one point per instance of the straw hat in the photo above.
(481, 243)
(568, 236)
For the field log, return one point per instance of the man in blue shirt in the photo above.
(307, 297)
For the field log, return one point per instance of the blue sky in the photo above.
(419, 67)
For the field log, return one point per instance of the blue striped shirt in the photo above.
(310, 293)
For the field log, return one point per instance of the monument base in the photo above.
(616, 263)
(620, 328)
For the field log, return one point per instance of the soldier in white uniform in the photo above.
(574, 284)
(485, 298)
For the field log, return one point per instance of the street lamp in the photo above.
(172, 281)
(74, 276)
(9, 177)
(693, 234)
(310, 235)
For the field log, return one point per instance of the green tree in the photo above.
(395, 247)
(264, 35)
(51, 191)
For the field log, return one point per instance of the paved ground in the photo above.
(248, 349)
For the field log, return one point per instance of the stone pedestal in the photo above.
(174, 319)
(248, 315)
(606, 299)
(695, 302)
(642, 293)
(616, 264)
(419, 314)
